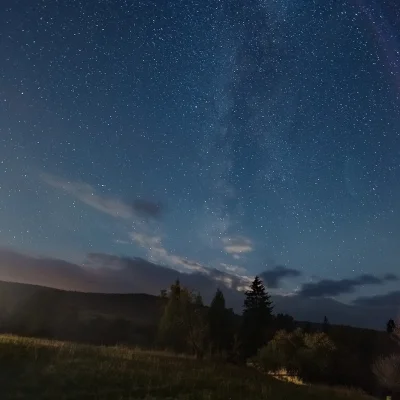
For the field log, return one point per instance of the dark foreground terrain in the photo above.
(42, 369)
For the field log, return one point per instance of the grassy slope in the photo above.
(38, 369)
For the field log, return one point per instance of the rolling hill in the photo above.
(144, 308)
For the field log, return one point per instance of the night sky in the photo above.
(222, 138)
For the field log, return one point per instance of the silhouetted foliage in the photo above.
(317, 357)
(309, 356)
(221, 325)
(390, 326)
(387, 368)
(183, 326)
(257, 317)
(285, 322)
(172, 329)
(325, 325)
(281, 352)
(307, 328)
(198, 330)
(357, 350)
(198, 300)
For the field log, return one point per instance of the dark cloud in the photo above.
(329, 287)
(273, 277)
(191, 264)
(390, 299)
(147, 208)
(391, 277)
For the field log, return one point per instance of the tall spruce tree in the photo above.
(220, 324)
(257, 316)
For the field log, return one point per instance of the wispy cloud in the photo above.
(231, 276)
(121, 241)
(233, 269)
(147, 241)
(157, 252)
(111, 205)
(328, 287)
(237, 244)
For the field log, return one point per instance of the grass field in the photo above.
(40, 369)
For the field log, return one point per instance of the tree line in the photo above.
(188, 326)
(269, 342)
(274, 343)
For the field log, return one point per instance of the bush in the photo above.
(310, 356)
(316, 357)
(280, 353)
(387, 368)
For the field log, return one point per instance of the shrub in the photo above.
(310, 356)
(316, 357)
(387, 368)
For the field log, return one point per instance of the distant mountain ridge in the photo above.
(145, 308)
(314, 310)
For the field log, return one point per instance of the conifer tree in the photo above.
(220, 324)
(257, 316)
(390, 326)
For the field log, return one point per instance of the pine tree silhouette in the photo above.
(325, 325)
(390, 326)
(257, 316)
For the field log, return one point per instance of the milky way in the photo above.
(210, 135)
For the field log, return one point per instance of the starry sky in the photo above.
(219, 138)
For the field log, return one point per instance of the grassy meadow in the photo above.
(43, 369)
